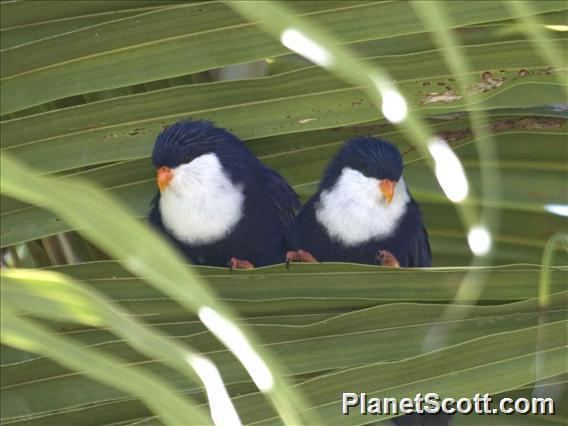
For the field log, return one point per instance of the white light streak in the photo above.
(235, 340)
(557, 27)
(449, 170)
(479, 240)
(394, 106)
(222, 409)
(297, 41)
(559, 209)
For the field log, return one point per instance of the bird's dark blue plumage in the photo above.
(403, 233)
(342, 220)
(261, 233)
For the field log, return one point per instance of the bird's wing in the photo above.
(154, 216)
(257, 175)
(282, 196)
(421, 251)
(309, 234)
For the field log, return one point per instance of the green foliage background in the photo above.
(86, 86)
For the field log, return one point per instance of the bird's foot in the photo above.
(386, 258)
(299, 256)
(235, 263)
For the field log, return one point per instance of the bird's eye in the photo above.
(186, 159)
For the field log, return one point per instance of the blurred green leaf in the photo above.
(157, 394)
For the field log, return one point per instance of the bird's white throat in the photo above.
(201, 205)
(354, 210)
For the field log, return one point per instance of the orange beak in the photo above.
(387, 188)
(164, 176)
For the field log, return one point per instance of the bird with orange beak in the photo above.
(216, 201)
(362, 211)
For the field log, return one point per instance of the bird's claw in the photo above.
(299, 256)
(235, 263)
(386, 258)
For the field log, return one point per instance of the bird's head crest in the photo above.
(371, 156)
(188, 139)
